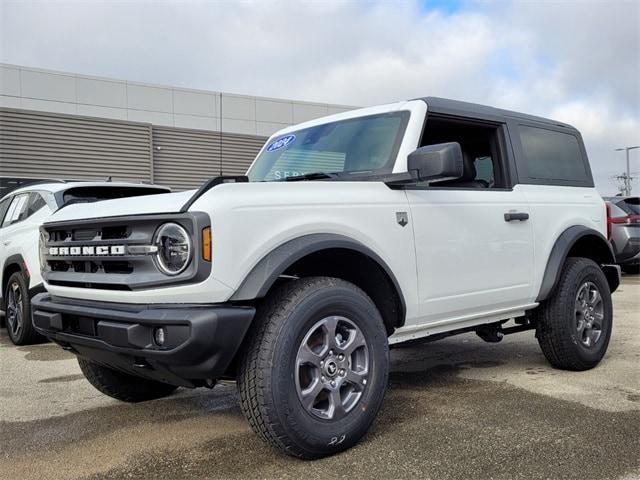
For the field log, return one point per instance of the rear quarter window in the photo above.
(552, 157)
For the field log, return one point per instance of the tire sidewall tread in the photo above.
(28, 335)
(266, 381)
(556, 330)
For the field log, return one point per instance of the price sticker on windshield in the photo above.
(282, 142)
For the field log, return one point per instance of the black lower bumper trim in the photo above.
(199, 341)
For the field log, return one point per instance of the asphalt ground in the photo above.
(455, 409)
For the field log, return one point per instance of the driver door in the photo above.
(471, 261)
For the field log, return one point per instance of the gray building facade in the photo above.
(77, 127)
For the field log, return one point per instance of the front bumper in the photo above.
(200, 340)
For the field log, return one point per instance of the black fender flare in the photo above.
(12, 260)
(264, 274)
(560, 251)
(18, 260)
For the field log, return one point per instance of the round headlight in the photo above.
(174, 248)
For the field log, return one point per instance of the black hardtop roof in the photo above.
(445, 105)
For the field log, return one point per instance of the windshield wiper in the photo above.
(311, 176)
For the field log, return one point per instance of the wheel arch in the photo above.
(13, 263)
(578, 241)
(331, 255)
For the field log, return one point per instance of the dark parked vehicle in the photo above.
(624, 231)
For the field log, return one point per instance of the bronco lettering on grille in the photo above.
(87, 250)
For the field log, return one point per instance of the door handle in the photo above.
(511, 216)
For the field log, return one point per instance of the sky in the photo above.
(575, 61)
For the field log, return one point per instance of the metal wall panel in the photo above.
(51, 145)
(185, 158)
(36, 144)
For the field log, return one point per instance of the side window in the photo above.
(17, 209)
(4, 206)
(36, 202)
(553, 156)
(480, 144)
(484, 170)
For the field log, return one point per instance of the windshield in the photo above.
(362, 144)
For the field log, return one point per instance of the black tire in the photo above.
(631, 269)
(268, 378)
(559, 318)
(18, 312)
(122, 386)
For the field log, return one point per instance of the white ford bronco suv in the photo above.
(415, 220)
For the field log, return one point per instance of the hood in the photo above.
(144, 205)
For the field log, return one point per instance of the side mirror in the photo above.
(436, 162)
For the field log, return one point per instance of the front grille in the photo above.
(84, 234)
(118, 232)
(99, 253)
(117, 267)
(107, 266)
(115, 232)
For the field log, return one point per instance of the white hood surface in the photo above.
(143, 205)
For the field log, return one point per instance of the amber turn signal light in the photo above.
(206, 244)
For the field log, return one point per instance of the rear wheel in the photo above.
(122, 386)
(18, 311)
(315, 368)
(574, 325)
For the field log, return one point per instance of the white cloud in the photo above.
(577, 61)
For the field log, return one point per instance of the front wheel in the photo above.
(574, 325)
(315, 368)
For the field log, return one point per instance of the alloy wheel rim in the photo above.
(14, 309)
(332, 368)
(589, 314)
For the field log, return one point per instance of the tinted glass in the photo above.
(17, 209)
(484, 170)
(360, 144)
(552, 155)
(36, 202)
(630, 205)
(4, 206)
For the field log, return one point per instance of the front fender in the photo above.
(262, 277)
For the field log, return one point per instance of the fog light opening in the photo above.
(160, 336)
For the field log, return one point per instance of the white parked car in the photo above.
(21, 213)
(414, 220)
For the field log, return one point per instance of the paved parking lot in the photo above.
(458, 408)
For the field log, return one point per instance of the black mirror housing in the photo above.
(442, 161)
